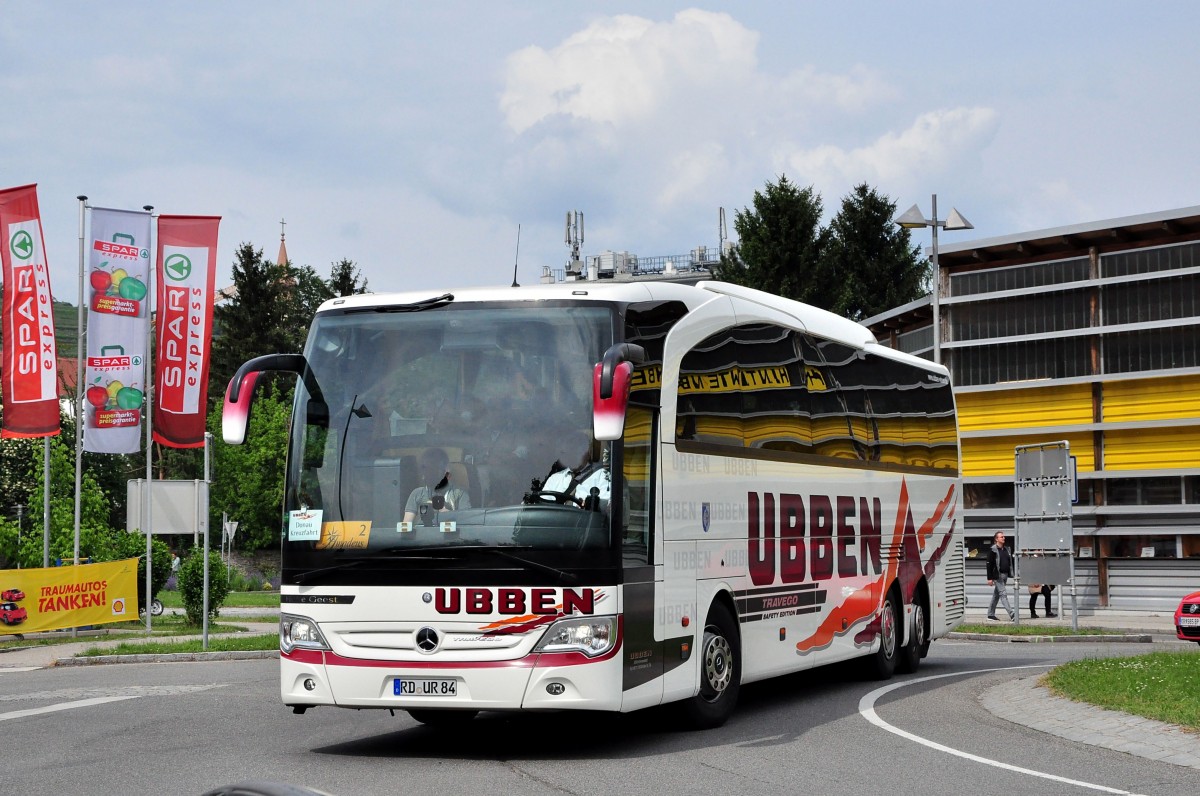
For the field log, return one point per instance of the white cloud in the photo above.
(624, 68)
(936, 143)
(856, 91)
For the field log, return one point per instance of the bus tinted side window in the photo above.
(647, 325)
(772, 388)
(841, 418)
(746, 387)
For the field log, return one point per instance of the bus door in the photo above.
(686, 486)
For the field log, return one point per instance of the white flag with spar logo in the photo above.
(118, 301)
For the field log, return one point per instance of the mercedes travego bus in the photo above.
(604, 496)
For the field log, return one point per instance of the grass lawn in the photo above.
(235, 599)
(256, 642)
(1026, 629)
(166, 625)
(1161, 685)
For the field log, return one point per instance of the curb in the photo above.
(1130, 638)
(169, 657)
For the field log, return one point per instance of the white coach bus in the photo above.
(604, 496)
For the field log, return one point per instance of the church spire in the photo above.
(283, 255)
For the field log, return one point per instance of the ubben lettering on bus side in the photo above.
(794, 542)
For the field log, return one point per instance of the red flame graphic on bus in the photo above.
(863, 603)
(527, 622)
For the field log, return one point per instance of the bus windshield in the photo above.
(452, 437)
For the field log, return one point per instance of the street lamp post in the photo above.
(913, 218)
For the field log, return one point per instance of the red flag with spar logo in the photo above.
(30, 363)
(186, 273)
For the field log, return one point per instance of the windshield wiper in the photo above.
(303, 577)
(416, 306)
(566, 577)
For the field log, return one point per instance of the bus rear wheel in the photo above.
(720, 671)
(882, 664)
(915, 649)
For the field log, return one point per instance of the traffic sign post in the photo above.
(1044, 539)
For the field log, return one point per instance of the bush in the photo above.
(191, 585)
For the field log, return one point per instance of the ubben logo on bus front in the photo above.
(515, 601)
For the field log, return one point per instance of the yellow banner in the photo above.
(70, 596)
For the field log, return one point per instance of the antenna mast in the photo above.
(517, 257)
(574, 241)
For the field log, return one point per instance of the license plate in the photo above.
(425, 686)
(1189, 621)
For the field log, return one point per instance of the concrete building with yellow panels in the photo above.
(1090, 334)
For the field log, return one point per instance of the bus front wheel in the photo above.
(720, 671)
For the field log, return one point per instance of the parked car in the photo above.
(12, 595)
(12, 614)
(1187, 618)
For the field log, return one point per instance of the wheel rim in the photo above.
(887, 628)
(718, 663)
(918, 626)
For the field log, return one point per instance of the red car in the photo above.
(12, 614)
(12, 595)
(1187, 618)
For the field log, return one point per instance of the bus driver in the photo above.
(435, 494)
(575, 473)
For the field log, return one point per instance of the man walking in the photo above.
(999, 570)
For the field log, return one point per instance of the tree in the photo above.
(95, 533)
(191, 585)
(780, 244)
(344, 279)
(872, 260)
(248, 478)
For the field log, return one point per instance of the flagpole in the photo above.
(146, 527)
(80, 355)
(45, 502)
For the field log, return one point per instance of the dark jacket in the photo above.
(999, 560)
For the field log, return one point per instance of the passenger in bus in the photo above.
(435, 495)
(575, 473)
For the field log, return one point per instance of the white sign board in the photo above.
(175, 506)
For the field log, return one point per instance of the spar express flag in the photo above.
(118, 318)
(186, 273)
(30, 363)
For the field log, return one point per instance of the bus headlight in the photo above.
(593, 635)
(297, 632)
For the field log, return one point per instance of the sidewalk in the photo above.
(1022, 701)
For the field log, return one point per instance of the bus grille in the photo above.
(956, 583)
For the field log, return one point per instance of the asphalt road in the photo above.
(188, 728)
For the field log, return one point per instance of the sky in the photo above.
(416, 138)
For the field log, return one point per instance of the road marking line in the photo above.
(82, 703)
(7, 669)
(866, 707)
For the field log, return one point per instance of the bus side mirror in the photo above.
(610, 389)
(235, 416)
